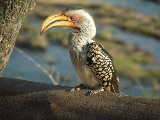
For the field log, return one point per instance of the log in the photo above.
(24, 100)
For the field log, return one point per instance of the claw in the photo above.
(100, 89)
(73, 89)
(79, 87)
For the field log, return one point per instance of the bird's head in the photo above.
(74, 17)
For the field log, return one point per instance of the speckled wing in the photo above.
(101, 64)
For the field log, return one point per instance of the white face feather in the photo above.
(85, 19)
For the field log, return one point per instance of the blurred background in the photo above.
(128, 29)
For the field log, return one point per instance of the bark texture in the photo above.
(12, 14)
(22, 100)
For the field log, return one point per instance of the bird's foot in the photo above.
(100, 89)
(79, 87)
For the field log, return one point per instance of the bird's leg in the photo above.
(79, 87)
(101, 88)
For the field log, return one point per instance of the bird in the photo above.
(93, 64)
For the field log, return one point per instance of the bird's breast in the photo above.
(78, 58)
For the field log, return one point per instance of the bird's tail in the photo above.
(113, 87)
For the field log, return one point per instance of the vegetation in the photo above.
(122, 17)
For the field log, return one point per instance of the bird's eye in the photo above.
(72, 18)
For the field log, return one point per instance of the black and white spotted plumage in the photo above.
(101, 64)
(91, 61)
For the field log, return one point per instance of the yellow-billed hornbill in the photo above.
(92, 62)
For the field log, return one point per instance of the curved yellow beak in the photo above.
(57, 19)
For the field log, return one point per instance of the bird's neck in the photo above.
(83, 35)
(79, 38)
(87, 29)
(77, 43)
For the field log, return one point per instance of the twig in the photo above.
(37, 65)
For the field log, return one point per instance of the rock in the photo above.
(24, 100)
